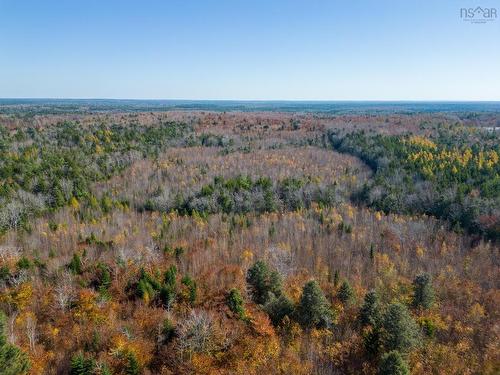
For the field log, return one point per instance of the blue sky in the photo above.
(233, 49)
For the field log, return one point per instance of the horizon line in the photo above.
(263, 100)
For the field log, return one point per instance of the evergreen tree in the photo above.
(234, 301)
(12, 360)
(104, 279)
(167, 295)
(264, 282)
(75, 265)
(168, 331)
(336, 278)
(313, 309)
(145, 290)
(372, 252)
(370, 311)
(423, 292)
(192, 289)
(4, 272)
(392, 363)
(170, 276)
(105, 370)
(346, 293)
(400, 332)
(81, 365)
(132, 367)
(278, 308)
(372, 341)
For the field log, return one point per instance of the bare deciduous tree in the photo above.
(64, 291)
(31, 330)
(199, 334)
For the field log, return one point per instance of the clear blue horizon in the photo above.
(241, 50)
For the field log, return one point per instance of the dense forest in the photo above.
(454, 175)
(249, 243)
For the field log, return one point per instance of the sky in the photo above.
(248, 50)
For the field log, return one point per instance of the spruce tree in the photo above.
(345, 293)
(75, 265)
(264, 282)
(423, 292)
(372, 341)
(313, 309)
(104, 279)
(392, 363)
(192, 289)
(167, 295)
(278, 308)
(400, 332)
(170, 276)
(336, 278)
(370, 311)
(132, 367)
(234, 301)
(167, 331)
(81, 365)
(12, 360)
(105, 370)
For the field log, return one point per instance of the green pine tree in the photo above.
(400, 332)
(13, 361)
(346, 294)
(170, 276)
(336, 278)
(278, 308)
(370, 311)
(81, 365)
(168, 331)
(313, 309)
(423, 292)
(371, 341)
(190, 284)
(264, 282)
(392, 363)
(75, 265)
(132, 367)
(104, 279)
(234, 301)
(105, 370)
